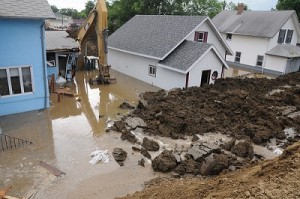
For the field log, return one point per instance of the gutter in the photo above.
(44, 64)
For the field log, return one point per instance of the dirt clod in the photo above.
(243, 149)
(165, 162)
(150, 145)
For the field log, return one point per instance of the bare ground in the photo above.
(277, 178)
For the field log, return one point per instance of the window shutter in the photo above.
(205, 37)
(196, 36)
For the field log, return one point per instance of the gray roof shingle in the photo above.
(185, 55)
(252, 23)
(25, 9)
(59, 40)
(153, 35)
(285, 50)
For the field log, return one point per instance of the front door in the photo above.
(205, 77)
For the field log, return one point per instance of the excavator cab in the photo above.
(97, 21)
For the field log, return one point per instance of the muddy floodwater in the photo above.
(65, 135)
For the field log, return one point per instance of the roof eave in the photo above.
(134, 53)
(220, 37)
(173, 69)
(27, 17)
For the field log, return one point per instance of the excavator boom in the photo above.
(97, 21)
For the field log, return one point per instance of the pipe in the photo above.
(44, 63)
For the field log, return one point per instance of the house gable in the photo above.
(252, 23)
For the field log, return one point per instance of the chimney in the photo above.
(240, 8)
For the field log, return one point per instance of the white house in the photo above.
(262, 41)
(169, 51)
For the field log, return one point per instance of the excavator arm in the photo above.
(97, 21)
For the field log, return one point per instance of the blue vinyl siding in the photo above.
(21, 45)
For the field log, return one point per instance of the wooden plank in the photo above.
(9, 197)
(52, 169)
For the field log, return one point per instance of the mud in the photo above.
(249, 111)
(240, 108)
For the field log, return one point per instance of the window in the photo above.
(201, 37)
(281, 36)
(229, 36)
(152, 70)
(260, 60)
(237, 57)
(51, 59)
(15, 80)
(289, 36)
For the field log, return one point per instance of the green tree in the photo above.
(89, 6)
(54, 9)
(205, 7)
(233, 6)
(289, 5)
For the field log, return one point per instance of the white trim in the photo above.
(220, 36)
(188, 70)
(170, 68)
(215, 51)
(134, 53)
(6, 68)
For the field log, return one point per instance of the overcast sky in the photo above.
(253, 4)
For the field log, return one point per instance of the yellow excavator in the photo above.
(96, 21)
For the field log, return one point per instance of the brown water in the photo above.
(65, 135)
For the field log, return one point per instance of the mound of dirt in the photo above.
(255, 109)
(277, 178)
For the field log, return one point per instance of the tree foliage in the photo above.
(120, 11)
(289, 5)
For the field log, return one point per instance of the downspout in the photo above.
(222, 73)
(44, 63)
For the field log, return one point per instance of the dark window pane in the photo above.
(27, 82)
(289, 36)
(4, 90)
(15, 80)
(281, 36)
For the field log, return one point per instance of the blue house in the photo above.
(23, 75)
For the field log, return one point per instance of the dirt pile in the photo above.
(277, 178)
(258, 109)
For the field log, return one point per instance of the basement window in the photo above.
(15, 80)
(152, 70)
(260, 60)
(237, 57)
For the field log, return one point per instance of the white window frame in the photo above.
(239, 57)
(152, 70)
(21, 80)
(262, 61)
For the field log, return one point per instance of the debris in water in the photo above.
(52, 169)
(99, 155)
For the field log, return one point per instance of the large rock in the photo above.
(214, 164)
(127, 135)
(199, 151)
(120, 155)
(165, 162)
(150, 145)
(243, 149)
(119, 126)
(134, 122)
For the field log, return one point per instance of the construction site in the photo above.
(165, 120)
